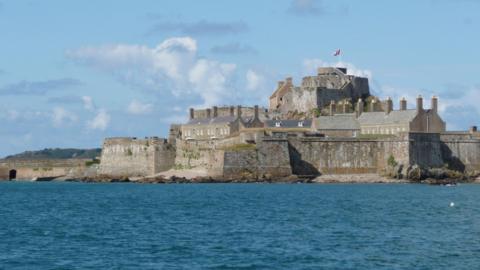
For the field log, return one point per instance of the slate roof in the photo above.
(288, 123)
(380, 118)
(346, 121)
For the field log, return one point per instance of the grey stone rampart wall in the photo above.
(269, 159)
(37, 168)
(126, 157)
(310, 156)
(425, 149)
(195, 154)
(461, 151)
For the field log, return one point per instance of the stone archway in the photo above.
(12, 174)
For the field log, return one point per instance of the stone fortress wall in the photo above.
(123, 157)
(27, 169)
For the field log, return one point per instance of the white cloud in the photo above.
(100, 121)
(254, 80)
(172, 67)
(61, 116)
(88, 103)
(137, 107)
(210, 79)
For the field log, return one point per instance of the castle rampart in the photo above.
(27, 169)
(124, 157)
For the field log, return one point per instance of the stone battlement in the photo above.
(134, 140)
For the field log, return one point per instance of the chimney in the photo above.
(345, 106)
(434, 105)
(288, 80)
(359, 107)
(215, 111)
(239, 111)
(280, 84)
(372, 105)
(209, 113)
(403, 104)
(255, 109)
(419, 103)
(192, 113)
(333, 108)
(232, 111)
(473, 129)
(389, 105)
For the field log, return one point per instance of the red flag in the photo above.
(337, 52)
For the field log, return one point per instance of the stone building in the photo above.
(213, 125)
(338, 125)
(316, 92)
(390, 122)
(288, 124)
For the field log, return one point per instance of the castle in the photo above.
(329, 124)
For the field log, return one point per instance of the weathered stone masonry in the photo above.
(135, 157)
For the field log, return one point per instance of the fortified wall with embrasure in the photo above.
(329, 124)
(351, 133)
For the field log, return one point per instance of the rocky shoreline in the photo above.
(323, 179)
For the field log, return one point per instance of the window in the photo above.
(300, 124)
(278, 124)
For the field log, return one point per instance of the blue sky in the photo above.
(74, 72)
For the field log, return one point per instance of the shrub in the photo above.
(91, 162)
(391, 161)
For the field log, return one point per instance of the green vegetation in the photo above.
(58, 153)
(316, 112)
(92, 162)
(181, 167)
(391, 161)
(129, 152)
(240, 147)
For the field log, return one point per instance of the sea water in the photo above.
(238, 226)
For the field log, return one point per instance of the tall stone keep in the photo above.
(316, 92)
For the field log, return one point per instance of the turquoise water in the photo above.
(238, 226)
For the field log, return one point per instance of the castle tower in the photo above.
(333, 108)
(419, 103)
(403, 104)
(389, 105)
(434, 104)
(346, 107)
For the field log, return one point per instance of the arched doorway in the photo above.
(12, 174)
